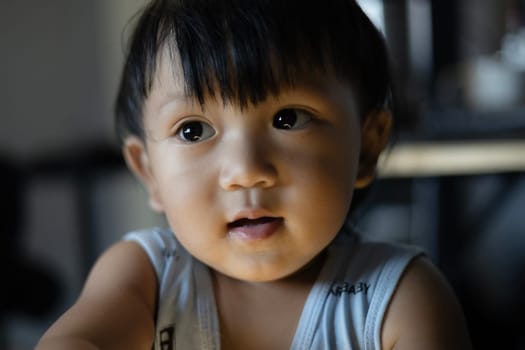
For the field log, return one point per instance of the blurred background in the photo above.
(453, 181)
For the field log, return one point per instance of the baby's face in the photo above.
(256, 193)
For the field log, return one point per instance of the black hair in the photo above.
(246, 50)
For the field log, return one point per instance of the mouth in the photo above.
(254, 229)
(251, 222)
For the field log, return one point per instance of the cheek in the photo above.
(190, 211)
(323, 175)
(185, 186)
(331, 160)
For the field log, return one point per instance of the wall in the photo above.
(60, 63)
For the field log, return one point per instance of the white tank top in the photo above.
(344, 309)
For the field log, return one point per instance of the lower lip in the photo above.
(256, 232)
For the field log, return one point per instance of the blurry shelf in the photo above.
(461, 124)
(431, 158)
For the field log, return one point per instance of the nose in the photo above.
(246, 163)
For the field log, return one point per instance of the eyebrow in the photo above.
(180, 101)
(167, 98)
(174, 96)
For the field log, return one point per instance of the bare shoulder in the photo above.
(116, 307)
(424, 312)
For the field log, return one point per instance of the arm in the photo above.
(116, 308)
(424, 313)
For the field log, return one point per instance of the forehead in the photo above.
(168, 74)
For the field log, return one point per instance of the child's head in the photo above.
(252, 122)
(244, 51)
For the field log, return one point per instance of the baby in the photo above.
(251, 123)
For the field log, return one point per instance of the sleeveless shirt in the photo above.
(344, 309)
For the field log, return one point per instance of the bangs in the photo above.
(226, 51)
(245, 50)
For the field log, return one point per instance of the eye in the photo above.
(289, 119)
(194, 131)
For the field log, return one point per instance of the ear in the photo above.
(138, 162)
(375, 132)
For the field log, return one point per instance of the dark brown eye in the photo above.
(195, 131)
(289, 118)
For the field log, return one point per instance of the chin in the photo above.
(272, 275)
(252, 277)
